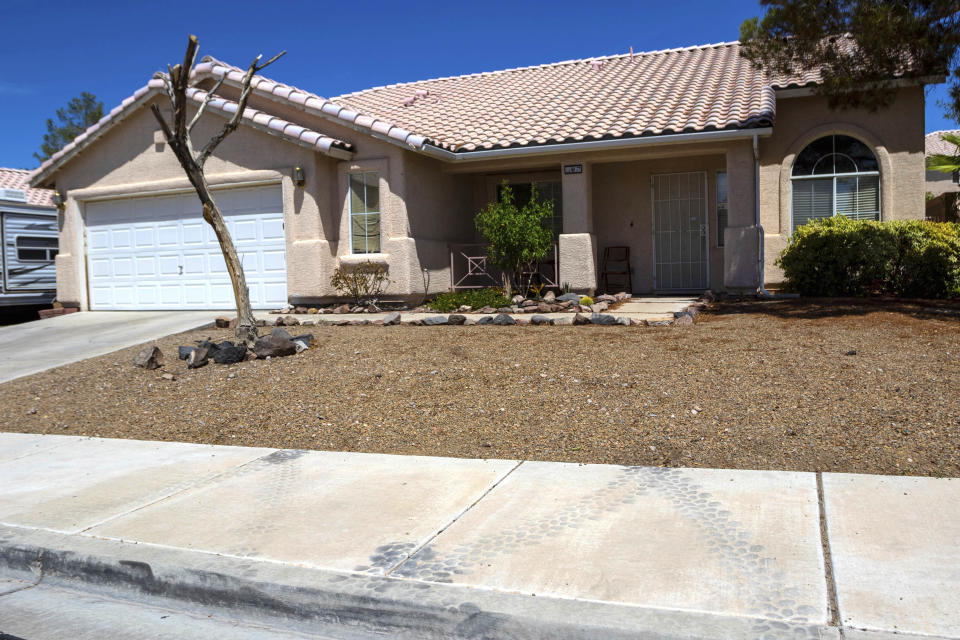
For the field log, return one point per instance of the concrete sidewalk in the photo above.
(451, 548)
(36, 346)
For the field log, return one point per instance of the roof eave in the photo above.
(597, 145)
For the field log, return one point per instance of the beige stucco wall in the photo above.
(895, 134)
(939, 182)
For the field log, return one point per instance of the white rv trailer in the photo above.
(29, 233)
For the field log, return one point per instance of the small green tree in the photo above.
(516, 235)
(72, 120)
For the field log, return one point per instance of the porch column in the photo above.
(578, 243)
(741, 239)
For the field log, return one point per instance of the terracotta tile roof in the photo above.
(257, 119)
(935, 145)
(704, 88)
(20, 179)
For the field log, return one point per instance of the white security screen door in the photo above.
(159, 253)
(680, 237)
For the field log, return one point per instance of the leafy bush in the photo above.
(586, 301)
(842, 257)
(476, 298)
(516, 235)
(365, 281)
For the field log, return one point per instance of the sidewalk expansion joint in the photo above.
(832, 600)
(455, 518)
(192, 485)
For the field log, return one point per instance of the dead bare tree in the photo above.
(178, 137)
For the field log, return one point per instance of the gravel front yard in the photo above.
(758, 385)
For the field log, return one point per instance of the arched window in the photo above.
(835, 175)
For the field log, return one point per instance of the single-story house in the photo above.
(697, 162)
(943, 189)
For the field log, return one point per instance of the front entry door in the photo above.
(680, 236)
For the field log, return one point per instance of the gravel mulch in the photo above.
(852, 386)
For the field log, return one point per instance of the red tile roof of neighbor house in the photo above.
(19, 179)
(935, 145)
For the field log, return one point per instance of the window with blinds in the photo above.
(835, 175)
(365, 212)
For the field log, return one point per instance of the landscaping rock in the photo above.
(503, 319)
(300, 310)
(517, 299)
(306, 338)
(602, 318)
(597, 307)
(222, 322)
(308, 323)
(623, 321)
(456, 319)
(623, 295)
(487, 309)
(504, 310)
(358, 323)
(149, 358)
(415, 323)
(274, 346)
(684, 318)
(539, 319)
(357, 309)
(565, 304)
(543, 307)
(261, 323)
(569, 297)
(230, 355)
(485, 320)
(563, 320)
(532, 309)
(637, 322)
(281, 333)
(184, 352)
(168, 376)
(606, 297)
(464, 308)
(431, 321)
(290, 321)
(528, 303)
(325, 311)
(198, 358)
(344, 308)
(580, 319)
(393, 318)
(469, 322)
(313, 310)
(550, 297)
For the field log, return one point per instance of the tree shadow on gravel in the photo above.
(817, 308)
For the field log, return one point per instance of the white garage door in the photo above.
(159, 253)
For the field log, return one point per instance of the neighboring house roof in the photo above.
(257, 119)
(19, 179)
(935, 145)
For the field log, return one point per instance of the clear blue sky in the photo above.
(53, 50)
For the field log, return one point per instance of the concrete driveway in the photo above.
(44, 344)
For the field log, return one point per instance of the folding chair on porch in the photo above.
(616, 263)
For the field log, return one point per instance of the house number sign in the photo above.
(572, 168)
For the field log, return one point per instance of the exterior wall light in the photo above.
(58, 200)
(299, 178)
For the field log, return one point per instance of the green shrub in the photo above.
(586, 301)
(842, 257)
(476, 298)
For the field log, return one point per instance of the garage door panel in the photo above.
(159, 253)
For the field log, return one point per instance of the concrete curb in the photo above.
(305, 596)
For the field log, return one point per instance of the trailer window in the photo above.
(36, 249)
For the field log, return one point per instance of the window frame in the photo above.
(46, 249)
(726, 206)
(834, 176)
(379, 212)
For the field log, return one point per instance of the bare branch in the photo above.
(234, 121)
(163, 124)
(210, 96)
(180, 75)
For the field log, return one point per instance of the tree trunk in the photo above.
(246, 329)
